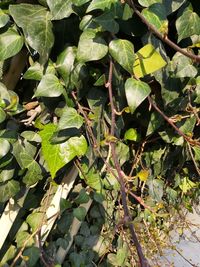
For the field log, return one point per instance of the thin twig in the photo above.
(193, 159)
(127, 217)
(161, 36)
(187, 138)
(140, 201)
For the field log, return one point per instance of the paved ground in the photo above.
(187, 251)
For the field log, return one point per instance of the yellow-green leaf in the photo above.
(147, 61)
(143, 175)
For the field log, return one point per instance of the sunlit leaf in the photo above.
(10, 43)
(147, 61)
(136, 92)
(35, 21)
(187, 24)
(50, 86)
(70, 119)
(91, 47)
(60, 8)
(123, 52)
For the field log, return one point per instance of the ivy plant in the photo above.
(110, 87)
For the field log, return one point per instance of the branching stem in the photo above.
(120, 177)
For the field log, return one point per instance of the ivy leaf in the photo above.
(2, 115)
(10, 43)
(60, 8)
(186, 185)
(91, 47)
(49, 86)
(123, 52)
(101, 4)
(196, 153)
(187, 24)
(34, 72)
(32, 255)
(75, 146)
(156, 189)
(31, 136)
(34, 173)
(136, 91)
(147, 3)
(80, 2)
(4, 18)
(35, 220)
(57, 155)
(70, 119)
(4, 147)
(80, 213)
(156, 15)
(132, 134)
(183, 66)
(51, 152)
(8, 190)
(107, 22)
(35, 21)
(147, 61)
(65, 63)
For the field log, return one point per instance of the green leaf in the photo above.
(80, 213)
(31, 136)
(196, 152)
(70, 119)
(83, 197)
(75, 146)
(33, 255)
(60, 8)
(107, 22)
(34, 72)
(186, 185)
(132, 134)
(65, 63)
(36, 25)
(4, 18)
(2, 115)
(147, 3)
(147, 61)
(136, 91)
(10, 43)
(9, 255)
(156, 189)
(26, 159)
(187, 24)
(22, 237)
(57, 155)
(51, 152)
(8, 190)
(156, 16)
(7, 174)
(49, 86)
(182, 66)
(123, 52)
(4, 147)
(80, 2)
(101, 4)
(91, 47)
(93, 179)
(35, 220)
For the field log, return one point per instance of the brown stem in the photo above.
(164, 38)
(120, 177)
(187, 138)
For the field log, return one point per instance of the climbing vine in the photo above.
(99, 129)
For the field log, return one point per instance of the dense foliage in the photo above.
(100, 98)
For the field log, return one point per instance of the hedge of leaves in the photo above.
(112, 87)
